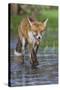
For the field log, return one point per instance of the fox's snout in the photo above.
(39, 36)
(37, 39)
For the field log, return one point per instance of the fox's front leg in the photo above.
(33, 56)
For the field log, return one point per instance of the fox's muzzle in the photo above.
(39, 36)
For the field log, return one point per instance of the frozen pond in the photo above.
(24, 74)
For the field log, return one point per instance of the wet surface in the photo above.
(45, 73)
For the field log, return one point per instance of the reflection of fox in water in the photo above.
(30, 32)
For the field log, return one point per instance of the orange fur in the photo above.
(29, 31)
(24, 27)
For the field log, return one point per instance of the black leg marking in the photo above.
(34, 58)
(19, 46)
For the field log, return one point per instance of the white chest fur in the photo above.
(31, 38)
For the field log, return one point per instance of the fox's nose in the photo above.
(39, 37)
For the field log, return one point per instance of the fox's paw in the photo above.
(34, 63)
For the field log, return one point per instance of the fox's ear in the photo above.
(45, 22)
(31, 21)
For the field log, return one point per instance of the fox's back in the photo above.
(24, 28)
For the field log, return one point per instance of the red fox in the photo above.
(30, 33)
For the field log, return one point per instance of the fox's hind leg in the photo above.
(18, 51)
(19, 46)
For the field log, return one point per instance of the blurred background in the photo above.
(40, 12)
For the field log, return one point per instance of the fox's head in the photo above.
(37, 27)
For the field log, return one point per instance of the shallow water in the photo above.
(24, 74)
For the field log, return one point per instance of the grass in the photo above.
(51, 35)
(50, 38)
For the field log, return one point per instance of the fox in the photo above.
(30, 33)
